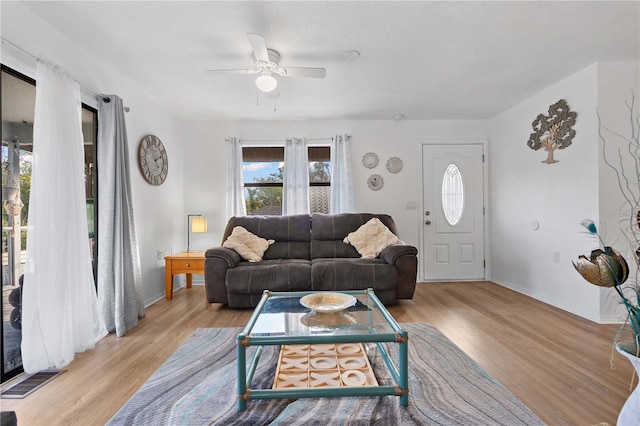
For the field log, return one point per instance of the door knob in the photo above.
(428, 222)
(427, 213)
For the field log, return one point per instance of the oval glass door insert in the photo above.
(452, 194)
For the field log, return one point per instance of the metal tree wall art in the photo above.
(553, 131)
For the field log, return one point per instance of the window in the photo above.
(17, 105)
(263, 171)
(90, 136)
(452, 194)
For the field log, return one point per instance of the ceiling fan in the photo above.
(267, 63)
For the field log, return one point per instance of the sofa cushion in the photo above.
(248, 245)
(246, 282)
(352, 274)
(290, 233)
(328, 233)
(371, 238)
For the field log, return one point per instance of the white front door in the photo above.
(453, 216)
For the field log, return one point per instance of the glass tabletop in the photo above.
(282, 315)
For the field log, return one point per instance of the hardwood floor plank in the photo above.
(555, 362)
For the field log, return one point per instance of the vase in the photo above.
(630, 413)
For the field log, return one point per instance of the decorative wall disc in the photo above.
(370, 160)
(394, 164)
(375, 182)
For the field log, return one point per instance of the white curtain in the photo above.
(235, 186)
(119, 273)
(295, 185)
(341, 178)
(59, 307)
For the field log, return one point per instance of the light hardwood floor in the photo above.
(555, 362)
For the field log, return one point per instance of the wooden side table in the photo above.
(186, 262)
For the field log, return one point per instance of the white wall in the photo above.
(206, 174)
(159, 218)
(558, 196)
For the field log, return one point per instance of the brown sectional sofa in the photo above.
(308, 254)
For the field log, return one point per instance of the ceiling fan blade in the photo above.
(304, 72)
(275, 93)
(259, 47)
(232, 71)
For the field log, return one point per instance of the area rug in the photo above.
(197, 386)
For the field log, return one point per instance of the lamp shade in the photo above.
(266, 83)
(199, 224)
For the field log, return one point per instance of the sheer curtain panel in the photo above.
(235, 186)
(295, 185)
(341, 179)
(59, 307)
(119, 272)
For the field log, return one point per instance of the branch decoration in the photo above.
(606, 267)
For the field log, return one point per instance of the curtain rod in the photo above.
(281, 140)
(105, 98)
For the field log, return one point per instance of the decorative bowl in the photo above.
(327, 302)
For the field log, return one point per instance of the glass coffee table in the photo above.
(280, 319)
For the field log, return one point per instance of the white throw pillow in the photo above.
(371, 238)
(249, 246)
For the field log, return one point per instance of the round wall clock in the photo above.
(153, 160)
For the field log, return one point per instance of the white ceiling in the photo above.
(425, 60)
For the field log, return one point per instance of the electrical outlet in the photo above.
(556, 256)
(160, 255)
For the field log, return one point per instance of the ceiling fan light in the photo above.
(266, 83)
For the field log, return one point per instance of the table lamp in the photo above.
(198, 224)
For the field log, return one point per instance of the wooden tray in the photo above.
(327, 365)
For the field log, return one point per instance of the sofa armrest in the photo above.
(392, 253)
(405, 259)
(229, 256)
(216, 263)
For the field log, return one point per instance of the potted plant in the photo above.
(606, 267)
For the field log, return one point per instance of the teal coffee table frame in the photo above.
(276, 321)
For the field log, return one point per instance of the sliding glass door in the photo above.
(17, 105)
(17, 108)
